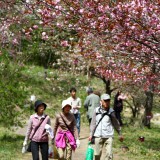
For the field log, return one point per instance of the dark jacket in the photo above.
(118, 104)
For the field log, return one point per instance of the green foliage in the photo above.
(137, 149)
(8, 141)
(12, 93)
(38, 51)
(55, 87)
(45, 52)
(156, 107)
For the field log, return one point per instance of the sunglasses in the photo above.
(107, 100)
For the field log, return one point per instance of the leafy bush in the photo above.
(12, 93)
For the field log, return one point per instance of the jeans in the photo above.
(78, 121)
(35, 150)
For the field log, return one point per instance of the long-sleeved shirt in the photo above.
(40, 135)
(75, 103)
(92, 101)
(70, 121)
(105, 128)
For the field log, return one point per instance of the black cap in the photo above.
(38, 103)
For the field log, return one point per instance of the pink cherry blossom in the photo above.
(64, 43)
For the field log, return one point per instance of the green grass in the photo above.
(147, 150)
(10, 144)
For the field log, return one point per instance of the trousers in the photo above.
(35, 150)
(99, 144)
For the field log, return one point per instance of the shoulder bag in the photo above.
(29, 145)
(93, 137)
(67, 125)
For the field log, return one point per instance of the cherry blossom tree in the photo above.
(119, 38)
(122, 40)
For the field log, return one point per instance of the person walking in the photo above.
(65, 132)
(91, 102)
(37, 133)
(102, 128)
(118, 106)
(76, 105)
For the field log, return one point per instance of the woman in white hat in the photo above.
(65, 132)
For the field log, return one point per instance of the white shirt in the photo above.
(75, 103)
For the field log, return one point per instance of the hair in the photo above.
(36, 109)
(89, 90)
(73, 89)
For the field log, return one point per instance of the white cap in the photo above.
(105, 97)
(66, 102)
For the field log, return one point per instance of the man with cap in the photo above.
(36, 131)
(91, 102)
(102, 128)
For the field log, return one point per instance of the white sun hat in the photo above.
(66, 102)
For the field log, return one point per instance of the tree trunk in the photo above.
(107, 85)
(107, 82)
(148, 107)
(149, 102)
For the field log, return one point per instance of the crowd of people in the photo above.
(66, 131)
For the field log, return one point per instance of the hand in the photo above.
(24, 143)
(89, 138)
(23, 149)
(78, 143)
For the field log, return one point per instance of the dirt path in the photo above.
(80, 152)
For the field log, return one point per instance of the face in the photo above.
(73, 94)
(67, 109)
(119, 92)
(105, 103)
(40, 109)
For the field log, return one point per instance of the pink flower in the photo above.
(64, 43)
(35, 27)
(57, 1)
(81, 10)
(43, 33)
(14, 41)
